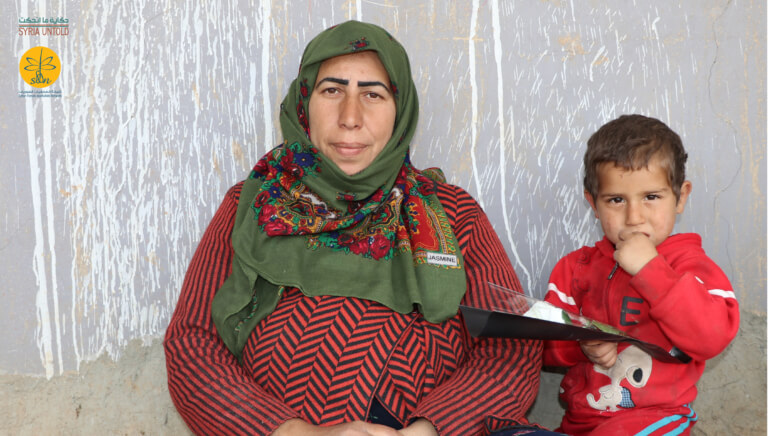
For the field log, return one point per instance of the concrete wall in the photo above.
(163, 105)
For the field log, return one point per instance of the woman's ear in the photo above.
(685, 191)
(591, 202)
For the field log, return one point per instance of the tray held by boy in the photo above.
(516, 315)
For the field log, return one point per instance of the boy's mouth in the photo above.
(625, 234)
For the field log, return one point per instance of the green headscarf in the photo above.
(380, 234)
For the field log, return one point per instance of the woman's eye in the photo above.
(330, 91)
(373, 95)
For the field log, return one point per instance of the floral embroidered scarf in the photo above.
(380, 235)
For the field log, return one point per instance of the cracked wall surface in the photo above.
(164, 105)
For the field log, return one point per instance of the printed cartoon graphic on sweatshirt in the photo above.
(632, 364)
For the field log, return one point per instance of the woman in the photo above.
(323, 297)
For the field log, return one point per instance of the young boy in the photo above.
(655, 286)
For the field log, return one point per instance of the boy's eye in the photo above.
(615, 200)
(652, 197)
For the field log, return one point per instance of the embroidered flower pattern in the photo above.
(359, 44)
(403, 219)
(300, 111)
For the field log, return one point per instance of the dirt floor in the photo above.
(130, 397)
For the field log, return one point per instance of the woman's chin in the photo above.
(351, 168)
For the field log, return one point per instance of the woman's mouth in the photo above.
(347, 149)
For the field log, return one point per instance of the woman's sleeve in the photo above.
(500, 379)
(210, 390)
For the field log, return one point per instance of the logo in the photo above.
(45, 26)
(40, 67)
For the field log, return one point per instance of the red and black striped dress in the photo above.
(325, 359)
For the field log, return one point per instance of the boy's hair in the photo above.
(630, 142)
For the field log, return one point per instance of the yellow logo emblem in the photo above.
(40, 67)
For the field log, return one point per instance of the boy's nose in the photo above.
(634, 214)
(350, 115)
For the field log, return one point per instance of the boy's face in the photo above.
(639, 201)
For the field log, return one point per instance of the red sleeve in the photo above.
(500, 379)
(693, 295)
(208, 387)
(562, 353)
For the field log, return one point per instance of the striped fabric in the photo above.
(673, 425)
(324, 359)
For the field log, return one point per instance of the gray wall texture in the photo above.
(161, 106)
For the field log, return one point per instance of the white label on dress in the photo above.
(442, 259)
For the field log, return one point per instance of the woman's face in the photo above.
(352, 110)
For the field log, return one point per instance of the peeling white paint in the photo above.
(505, 138)
(265, 25)
(473, 102)
(45, 336)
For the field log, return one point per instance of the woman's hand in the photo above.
(420, 427)
(601, 353)
(298, 427)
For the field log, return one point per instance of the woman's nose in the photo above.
(350, 115)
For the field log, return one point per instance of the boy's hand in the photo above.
(601, 353)
(633, 251)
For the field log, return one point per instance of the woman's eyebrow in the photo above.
(334, 80)
(374, 83)
(346, 82)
